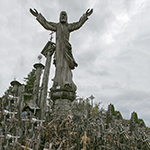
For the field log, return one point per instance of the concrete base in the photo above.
(62, 94)
(62, 106)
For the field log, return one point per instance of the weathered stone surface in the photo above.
(62, 106)
(62, 94)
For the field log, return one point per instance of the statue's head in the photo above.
(63, 17)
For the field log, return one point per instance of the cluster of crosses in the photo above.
(62, 122)
(84, 127)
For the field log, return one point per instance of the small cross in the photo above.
(51, 36)
(39, 58)
(26, 147)
(92, 98)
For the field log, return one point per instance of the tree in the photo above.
(8, 91)
(118, 112)
(136, 117)
(141, 120)
(96, 109)
(113, 110)
(30, 79)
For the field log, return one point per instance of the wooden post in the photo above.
(39, 67)
(47, 52)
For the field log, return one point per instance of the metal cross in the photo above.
(39, 58)
(92, 98)
(51, 36)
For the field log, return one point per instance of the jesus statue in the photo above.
(63, 58)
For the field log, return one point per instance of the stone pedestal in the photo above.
(62, 94)
(62, 106)
(62, 99)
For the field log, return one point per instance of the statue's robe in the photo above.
(64, 60)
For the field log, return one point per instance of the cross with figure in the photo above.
(63, 58)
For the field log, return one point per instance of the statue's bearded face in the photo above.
(63, 17)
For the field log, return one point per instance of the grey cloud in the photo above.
(129, 101)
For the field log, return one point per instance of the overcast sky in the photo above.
(112, 48)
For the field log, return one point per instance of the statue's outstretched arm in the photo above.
(82, 20)
(47, 25)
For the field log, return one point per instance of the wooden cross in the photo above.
(26, 147)
(37, 141)
(15, 143)
(50, 146)
(84, 139)
(13, 117)
(55, 128)
(40, 126)
(6, 146)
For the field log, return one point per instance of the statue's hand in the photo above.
(34, 12)
(89, 12)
